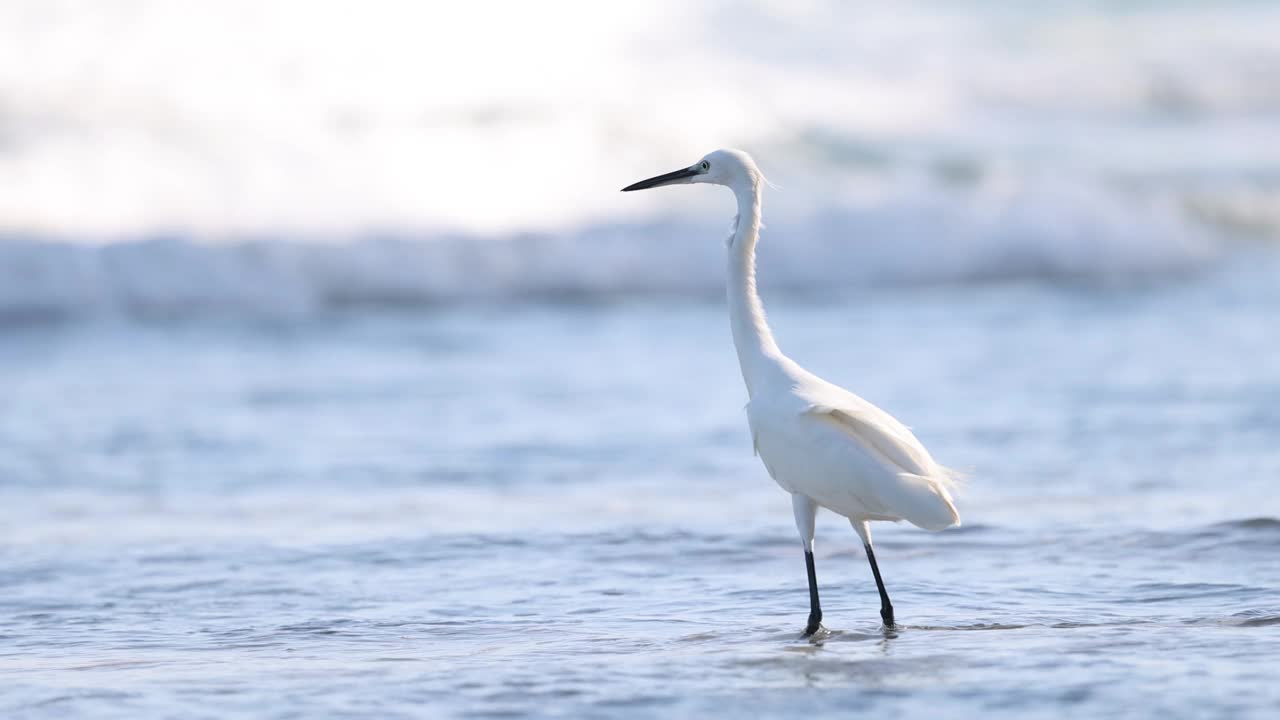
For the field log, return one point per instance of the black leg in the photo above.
(815, 609)
(886, 607)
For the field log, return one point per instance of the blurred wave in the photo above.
(152, 172)
(125, 118)
(915, 239)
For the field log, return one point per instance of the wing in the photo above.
(870, 426)
(919, 490)
(898, 449)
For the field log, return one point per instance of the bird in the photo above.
(821, 443)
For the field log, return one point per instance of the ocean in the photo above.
(395, 407)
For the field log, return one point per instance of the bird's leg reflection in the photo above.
(890, 634)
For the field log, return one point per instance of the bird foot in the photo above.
(886, 614)
(814, 623)
(813, 632)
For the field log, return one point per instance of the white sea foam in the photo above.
(233, 118)
(163, 161)
(911, 238)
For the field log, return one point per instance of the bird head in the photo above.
(731, 168)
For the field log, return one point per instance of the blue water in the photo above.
(517, 510)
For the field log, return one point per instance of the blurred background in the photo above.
(280, 159)
(335, 371)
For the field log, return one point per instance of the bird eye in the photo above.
(706, 165)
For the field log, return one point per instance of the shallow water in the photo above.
(501, 511)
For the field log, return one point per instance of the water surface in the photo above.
(509, 511)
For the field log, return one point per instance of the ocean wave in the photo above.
(311, 125)
(916, 239)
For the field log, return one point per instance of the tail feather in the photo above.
(926, 502)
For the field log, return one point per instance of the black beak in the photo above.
(662, 179)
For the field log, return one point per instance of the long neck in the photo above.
(751, 336)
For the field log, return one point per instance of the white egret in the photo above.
(823, 444)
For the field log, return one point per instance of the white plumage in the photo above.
(823, 444)
(846, 454)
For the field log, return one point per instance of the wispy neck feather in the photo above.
(751, 335)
